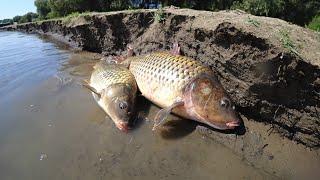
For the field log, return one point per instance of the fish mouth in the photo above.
(224, 126)
(232, 124)
(123, 126)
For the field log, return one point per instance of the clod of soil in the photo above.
(269, 67)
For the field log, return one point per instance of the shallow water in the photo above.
(51, 128)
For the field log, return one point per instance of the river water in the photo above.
(51, 128)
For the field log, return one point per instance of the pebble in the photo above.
(270, 157)
(43, 156)
(50, 124)
(33, 108)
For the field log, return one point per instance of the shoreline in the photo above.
(258, 72)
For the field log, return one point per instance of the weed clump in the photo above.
(315, 23)
(159, 16)
(287, 42)
(253, 22)
(71, 16)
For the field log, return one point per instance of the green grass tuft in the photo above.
(287, 42)
(159, 16)
(68, 19)
(315, 23)
(253, 22)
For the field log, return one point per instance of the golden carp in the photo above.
(114, 88)
(183, 86)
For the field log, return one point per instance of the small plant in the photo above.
(159, 16)
(253, 22)
(68, 18)
(137, 10)
(71, 16)
(315, 23)
(287, 42)
(86, 15)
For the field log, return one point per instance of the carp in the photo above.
(183, 86)
(114, 88)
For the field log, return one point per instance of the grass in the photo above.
(315, 23)
(287, 42)
(253, 22)
(159, 16)
(136, 10)
(67, 19)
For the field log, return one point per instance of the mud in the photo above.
(268, 82)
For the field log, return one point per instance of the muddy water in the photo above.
(51, 128)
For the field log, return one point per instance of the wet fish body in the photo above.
(185, 87)
(161, 77)
(114, 88)
(105, 75)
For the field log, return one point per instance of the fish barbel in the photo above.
(114, 88)
(185, 87)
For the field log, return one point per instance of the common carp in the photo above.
(114, 88)
(183, 86)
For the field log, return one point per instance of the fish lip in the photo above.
(232, 124)
(224, 126)
(123, 126)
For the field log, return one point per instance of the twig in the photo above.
(270, 130)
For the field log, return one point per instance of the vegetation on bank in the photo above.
(5, 22)
(29, 17)
(304, 13)
(315, 23)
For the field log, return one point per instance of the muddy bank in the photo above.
(269, 67)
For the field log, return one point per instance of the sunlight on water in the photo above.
(25, 60)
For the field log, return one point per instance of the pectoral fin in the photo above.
(175, 49)
(164, 113)
(129, 50)
(92, 89)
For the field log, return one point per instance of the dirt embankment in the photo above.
(270, 68)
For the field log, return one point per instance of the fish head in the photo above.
(206, 101)
(118, 101)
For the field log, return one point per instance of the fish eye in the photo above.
(225, 103)
(123, 105)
